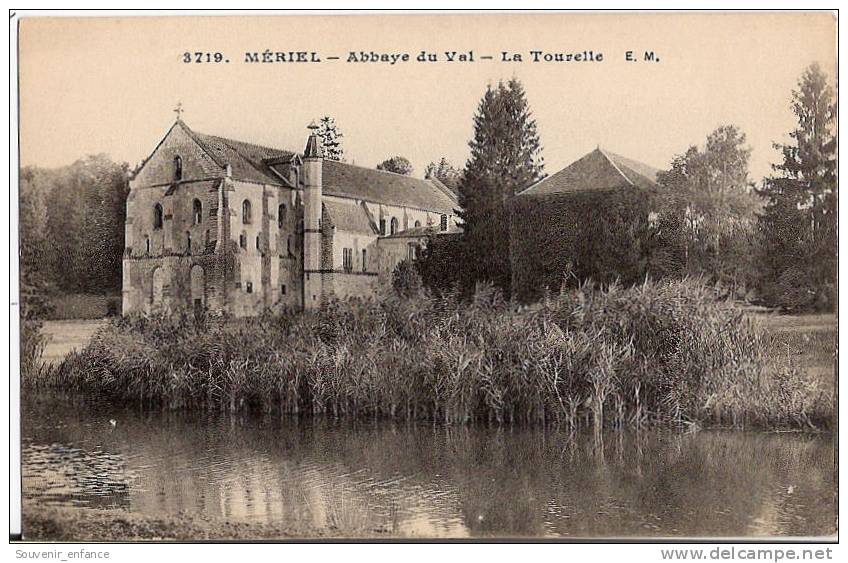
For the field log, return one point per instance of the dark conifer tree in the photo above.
(799, 223)
(505, 159)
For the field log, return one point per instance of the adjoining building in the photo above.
(582, 223)
(223, 225)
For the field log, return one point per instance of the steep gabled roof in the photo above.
(248, 161)
(253, 163)
(377, 186)
(598, 170)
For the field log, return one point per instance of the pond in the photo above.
(424, 480)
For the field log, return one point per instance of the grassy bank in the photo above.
(666, 353)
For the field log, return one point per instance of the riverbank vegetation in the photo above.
(658, 353)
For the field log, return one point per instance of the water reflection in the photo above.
(425, 480)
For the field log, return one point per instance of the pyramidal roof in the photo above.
(254, 163)
(597, 171)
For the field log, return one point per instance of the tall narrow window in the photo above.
(281, 215)
(394, 226)
(283, 289)
(364, 261)
(443, 224)
(248, 287)
(243, 240)
(382, 226)
(246, 212)
(146, 244)
(197, 211)
(258, 243)
(347, 259)
(188, 242)
(178, 168)
(289, 246)
(157, 216)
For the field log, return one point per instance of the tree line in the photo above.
(71, 229)
(773, 244)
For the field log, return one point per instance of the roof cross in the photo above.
(179, 110)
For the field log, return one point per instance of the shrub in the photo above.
(406, 280)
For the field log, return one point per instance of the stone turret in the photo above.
(312, 166)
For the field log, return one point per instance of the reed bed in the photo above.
(657, 353)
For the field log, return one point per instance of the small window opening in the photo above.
(246, 212)
(197, 211)
(157, 216)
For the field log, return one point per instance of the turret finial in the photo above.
(313, 144)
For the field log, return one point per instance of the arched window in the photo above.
(393, 226)
(188, 242)
(246, 212)
(157, 216)
(178, 168)
(417, 224)
(281, 215)
(197, 211)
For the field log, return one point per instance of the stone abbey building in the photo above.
(222, 225)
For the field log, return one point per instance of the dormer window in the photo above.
(178, 168)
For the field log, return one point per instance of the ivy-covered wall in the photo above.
(600, 235)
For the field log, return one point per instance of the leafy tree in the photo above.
(331, 138)
(505, 159)
(799, 223)
(712, 198)
(396, 164)
(83, 234)
(34, 279)
(444, 172)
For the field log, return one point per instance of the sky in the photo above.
(109, 85)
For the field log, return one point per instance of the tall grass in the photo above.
(665, 352)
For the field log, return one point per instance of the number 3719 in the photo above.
(204, 57)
